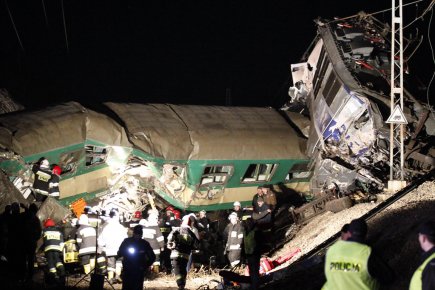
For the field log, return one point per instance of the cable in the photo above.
(13, 24)
(64, 26)
(45, 12)
(374, 13)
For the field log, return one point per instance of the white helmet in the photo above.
(237, 203)
(45, 163)
(83, 220)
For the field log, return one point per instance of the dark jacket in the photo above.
(87, 240)
(428, 275)
(137, 254)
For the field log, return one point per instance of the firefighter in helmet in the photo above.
(53, 245)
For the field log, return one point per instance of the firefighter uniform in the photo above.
(41, 182)
(53, 245)
(181, 241)
(87, 241)
(153, 235)
(234, 244)
(53, 186)
(346, 266)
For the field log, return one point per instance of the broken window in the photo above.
(95, 155)
(331, 88)
(69, 161)
(216, 174)
(298, 171)
(259, 172)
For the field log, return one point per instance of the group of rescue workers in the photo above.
(167, 241)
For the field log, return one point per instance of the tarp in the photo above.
(187, 132)
(9, 193)
(27, 133)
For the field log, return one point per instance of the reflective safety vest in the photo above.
(416, 283)
(346, 267)
(53, 239)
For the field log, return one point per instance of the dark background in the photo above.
(184, 52)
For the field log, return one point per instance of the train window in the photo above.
(331, 88)
(298, 171)
(69, 161)
(259, 172)
(216, 174)
(95, 155)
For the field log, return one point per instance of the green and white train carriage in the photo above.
(194, 157)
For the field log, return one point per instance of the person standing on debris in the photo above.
(53, 245)
(269, 198)
(110, 239)
(424, 276)
(233, 248)
(41, 180)
(351, 264)
(153, 235)
(182, 240)
(256, 196)
(32, 234)
(53, 185)
(137, 256)
(87, 242)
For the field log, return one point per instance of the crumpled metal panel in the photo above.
(51, 208)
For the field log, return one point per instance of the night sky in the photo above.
(183, 52)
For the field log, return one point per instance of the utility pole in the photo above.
(397, 120)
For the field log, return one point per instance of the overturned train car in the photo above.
(343, 86)
(192, 157)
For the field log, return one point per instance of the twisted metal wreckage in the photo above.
(335, 141)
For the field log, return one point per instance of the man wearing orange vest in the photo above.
(424, 276)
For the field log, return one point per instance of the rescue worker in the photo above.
(237, 208)
(41, 180)
(351, 264)
(424, 276)
(153, 235)
(182, 240)
(233, 247)
(110, 239)
(137, 256)
(53, 185)
(87, 242)
(256, 196)
(203, 222)
(53, 245)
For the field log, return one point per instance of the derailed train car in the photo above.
(192, 157)
(343, 83)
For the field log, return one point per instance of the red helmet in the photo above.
(49, 223)
(170, 208)
(177, 214)
(57, 170)
(137, 215)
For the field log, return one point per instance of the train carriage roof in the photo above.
(28, 133)
(185, 132)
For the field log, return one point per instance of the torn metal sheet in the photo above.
(51, 208)
(9, 193)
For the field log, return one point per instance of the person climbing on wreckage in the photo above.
(41, 180)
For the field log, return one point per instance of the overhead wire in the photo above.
(64, 26)
(13, 24)
(45, 13)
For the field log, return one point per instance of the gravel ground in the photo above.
(392, 233)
